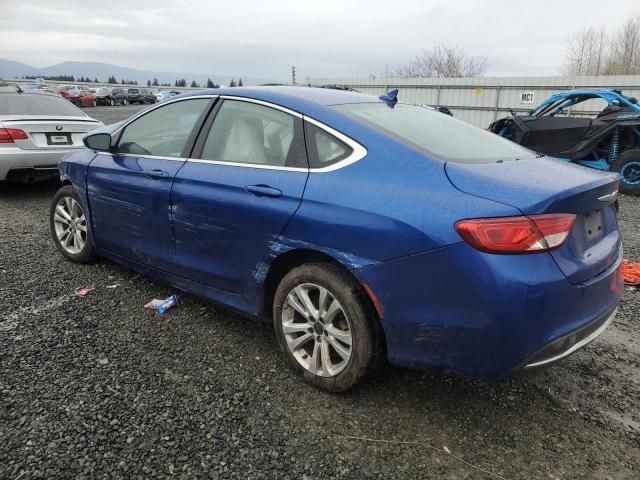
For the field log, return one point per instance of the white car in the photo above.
(36, 130)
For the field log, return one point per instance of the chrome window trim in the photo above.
(263, 103)
(248, 165)
(359, 152)
(151, 157)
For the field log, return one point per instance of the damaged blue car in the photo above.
(366, 230)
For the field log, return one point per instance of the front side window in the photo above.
(244, 132)
(162, 132)
(438, 134)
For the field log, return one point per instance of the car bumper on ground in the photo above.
(459, 310)
(27, 165)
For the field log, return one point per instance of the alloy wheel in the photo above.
(317, 330)
(630, 173)
(70, 225)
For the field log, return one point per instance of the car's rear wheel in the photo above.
(69, 226)
(326, 327)
(125, 101)
(112, 102)
(628, 166)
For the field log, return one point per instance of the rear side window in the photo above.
(162, 132)
(37, 104)
(245, 132)
(323, 148)
(436, 133)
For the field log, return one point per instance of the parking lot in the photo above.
(99, 387)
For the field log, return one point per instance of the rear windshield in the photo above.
(37, 104)
(438, 134)
(134, 90)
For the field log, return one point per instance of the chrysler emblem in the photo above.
(58, 127)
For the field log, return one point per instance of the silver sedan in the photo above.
(36, 130)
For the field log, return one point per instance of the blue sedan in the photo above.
(365, 229)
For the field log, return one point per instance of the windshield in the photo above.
(438, 134)
(37, 104)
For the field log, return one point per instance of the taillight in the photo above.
(532, 234)
(8, 135)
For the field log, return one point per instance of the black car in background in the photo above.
(148, 95)
(111, 96)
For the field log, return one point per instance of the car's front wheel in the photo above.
(326, 327)
(628, 166)
(125, 101)
(69, 226)
(111, 102)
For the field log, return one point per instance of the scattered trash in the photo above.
(631, 272)
(83, 292)
(115, 285)
(446, 449)
(161, 306)
(103, 361)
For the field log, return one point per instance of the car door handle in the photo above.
(156, 174)
(263, 191)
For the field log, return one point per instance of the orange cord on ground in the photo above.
(631, 272)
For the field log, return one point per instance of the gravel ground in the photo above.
(99, 387)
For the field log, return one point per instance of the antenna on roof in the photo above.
(391, 97)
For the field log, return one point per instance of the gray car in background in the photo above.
(36, 130)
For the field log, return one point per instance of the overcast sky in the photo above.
(321, 37)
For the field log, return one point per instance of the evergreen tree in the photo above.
(194, 84)
(95, 80)
(232, 83)
(210, 83)
(148, 83)
(155, 82)
(240, 82)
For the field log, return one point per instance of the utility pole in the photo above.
(293, 75)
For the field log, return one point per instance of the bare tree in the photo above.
(592, 51)
(624, 56)
(586, 52)
(443, 61)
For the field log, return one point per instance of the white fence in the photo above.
(481, 100)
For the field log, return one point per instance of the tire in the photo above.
(355, 322)
(94, 103)
(125, 102)
(628, 166)
(112, 102)
(78, 245)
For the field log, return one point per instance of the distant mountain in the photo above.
(102, 71)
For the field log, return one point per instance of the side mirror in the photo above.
(98, 141)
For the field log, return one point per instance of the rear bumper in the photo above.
(480, 315)
(568, 344)
(16, 159)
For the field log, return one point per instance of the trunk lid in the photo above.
(546, 185)
(46, 133)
